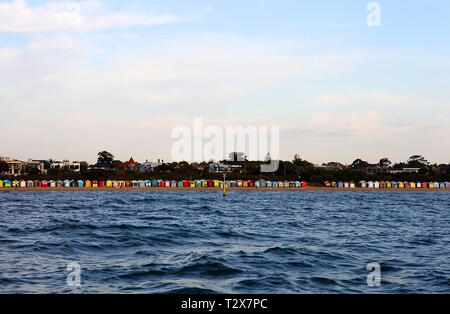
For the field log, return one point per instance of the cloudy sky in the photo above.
(80, 77)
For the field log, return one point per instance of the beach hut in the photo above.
(412, 185)
(37, 184)
(73, 184)
(109, 184)
(280, 184)
(424, 185)
(44, 183)
(148, 183)
(298, 184)
(60, 183)
(292, 184)
(30, 184)
(382, 185)
(1, 183)
(7, 184)
(447, 185)
(286, 184)
(442, 185)
(167, 184)
(66, 183)
(352, 185)
(257, 184)
(363, 184)
(437, 185)
(22, 184)
(333, 184)
(198, 183)
(186, 184)
(95, 184)
(101, 184)
(269, 184)
(346, 185)
(216, 183)
(15, 183)
(180, 184)
(52, 184)
(388, 184)
(245, 184)
(407, 185)
(141, 183)
(431, 185)
(154, 183)
(327, 184)
(304, 184)
(173, 184)
(274, 184)
(88, 183)
(80, 183)
(376, 184)
(401, 185)
(419, 185)
(251, 184)
(370, 185)
(340, 184)
(394, 184)
(192, 184)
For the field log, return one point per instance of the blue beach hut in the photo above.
(7, 184)
(148, 183)
(80, 183)
(340, 184)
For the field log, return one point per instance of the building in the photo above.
(221, 167)
(73, 166)
(17, 167)
(129, 166)
(34, 166)
(404, 170)
(149, 166)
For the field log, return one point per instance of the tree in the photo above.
(384, 162)
(359, 164)
(3, 166)
(417, 161)
(105, 157)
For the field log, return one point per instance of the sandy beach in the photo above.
(310, 188)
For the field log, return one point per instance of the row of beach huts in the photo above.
(151, 183)
(389, 185)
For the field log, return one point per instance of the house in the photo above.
(221, 167)
(73, 166)
(149, 166)
(129, 166)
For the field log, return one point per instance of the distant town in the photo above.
(235, 167)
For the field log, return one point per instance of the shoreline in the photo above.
(309, 188)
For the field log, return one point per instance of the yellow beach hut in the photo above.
(52, 184)
(88, 183)
(401, 185)
(412, 185)
(109, 184)
(1, 183)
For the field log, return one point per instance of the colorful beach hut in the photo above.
(67, 183)
(442, 185)
(412, 185)
(346, 185)
(304, 184)
(95, 184)
(52, 184)
(362, 184)
(352, 185)
(30, 184)
(44, 183)
(88, 183)
(1, 183)
(7, 184)
(340, 184)
(80, 183)
(73, 184)
(370, 185)
(37, 184)
(109, 184)
(419, 185)
(437, 185)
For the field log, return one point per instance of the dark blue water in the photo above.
(248, 242)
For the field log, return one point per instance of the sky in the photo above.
(79, 77)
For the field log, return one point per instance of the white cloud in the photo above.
(70, 16)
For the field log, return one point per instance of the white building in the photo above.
(73, 166)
